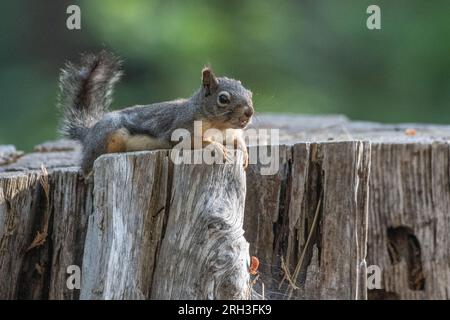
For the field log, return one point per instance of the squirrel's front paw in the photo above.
(244, 150)
(223, 152)
(218, 151)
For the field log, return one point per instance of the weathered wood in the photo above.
(42, 227)
(53, 154)
(71, 204)
(204, 254)
(307, 224)
(299, 128)
(311, 215)
(264, 209)
(8, 154)
(126, 226)
(43, 218)
(409, 199)
(409, 234)
(21, 270)
(127, 204)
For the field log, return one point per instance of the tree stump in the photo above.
(347, 195)
(141, 228)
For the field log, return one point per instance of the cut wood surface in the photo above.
(347, 195)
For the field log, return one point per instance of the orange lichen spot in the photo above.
(410, 132)
(254, 264)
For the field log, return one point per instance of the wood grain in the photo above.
(125, 228)
(204, 254)
(308, 226)
(409, 234)
(42, 226)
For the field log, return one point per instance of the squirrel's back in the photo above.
(86, 92)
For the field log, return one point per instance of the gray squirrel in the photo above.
(86, 94)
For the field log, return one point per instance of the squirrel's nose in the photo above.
(248, 111)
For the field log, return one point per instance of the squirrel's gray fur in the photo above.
(86, 91)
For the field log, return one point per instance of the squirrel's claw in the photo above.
(224, 153)
(245, 158)
(240, 145)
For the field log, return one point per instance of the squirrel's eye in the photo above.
(223, 98)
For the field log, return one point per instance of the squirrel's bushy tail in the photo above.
(86, 92)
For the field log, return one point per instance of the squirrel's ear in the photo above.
(209, 81)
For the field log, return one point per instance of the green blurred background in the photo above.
(296, 56)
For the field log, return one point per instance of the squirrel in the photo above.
(86, 94)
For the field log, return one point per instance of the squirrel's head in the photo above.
(225, 101)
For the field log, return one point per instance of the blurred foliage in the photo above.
(297, 56)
